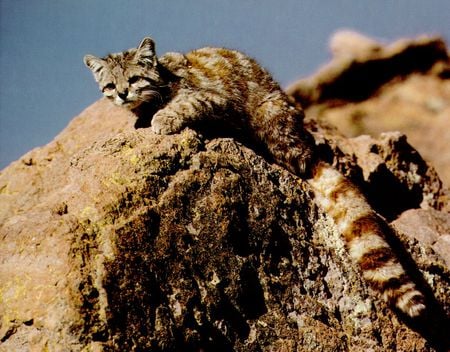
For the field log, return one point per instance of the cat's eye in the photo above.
(134, 79)
(109, 86)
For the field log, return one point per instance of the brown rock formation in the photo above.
(369, 88)
(116, 239)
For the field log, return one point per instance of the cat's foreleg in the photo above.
(186, 108)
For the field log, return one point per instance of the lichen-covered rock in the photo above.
(116, 239)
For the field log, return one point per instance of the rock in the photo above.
(349, 44)
(430, 227)
(117, 239)
(361, 66)
(369, 88)
(392, 174)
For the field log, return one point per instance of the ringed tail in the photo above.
(363, 232)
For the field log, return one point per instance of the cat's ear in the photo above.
(95, 64)
(146, 51)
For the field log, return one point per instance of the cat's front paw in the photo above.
(164, 123)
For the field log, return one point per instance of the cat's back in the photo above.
(219, 58)
(226, 65)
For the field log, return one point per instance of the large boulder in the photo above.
(113, 238)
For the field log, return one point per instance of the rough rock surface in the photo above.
(369, 88)
(116, 239)
(428, 226)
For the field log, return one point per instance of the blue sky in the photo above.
(44, 83)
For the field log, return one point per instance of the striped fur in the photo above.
(208, 83)
(363, 231)
(217, 83)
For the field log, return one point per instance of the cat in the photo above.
(217, 84)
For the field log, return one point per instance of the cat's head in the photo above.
(128, 78)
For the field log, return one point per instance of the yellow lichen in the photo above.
(118, 179)
(134, 159)
(87, 212)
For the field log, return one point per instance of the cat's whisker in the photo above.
(145, 94)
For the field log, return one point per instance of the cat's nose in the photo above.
(123, 95)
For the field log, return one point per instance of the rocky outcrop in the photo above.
(369, 88)
(116, 239)
(113, 238)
